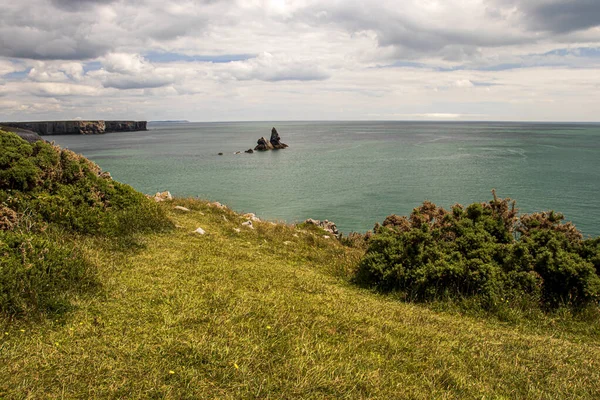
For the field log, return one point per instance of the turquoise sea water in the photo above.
(356, 173)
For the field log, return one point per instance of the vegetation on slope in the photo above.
(487, 252)
(47, 195)
(268, 312)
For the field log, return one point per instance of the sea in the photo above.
(357, 173)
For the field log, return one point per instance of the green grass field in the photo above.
(270, 313)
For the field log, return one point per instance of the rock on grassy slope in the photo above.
(240, 314)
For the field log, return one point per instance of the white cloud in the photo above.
(308, 59)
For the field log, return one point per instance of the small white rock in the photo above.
(162, 196)
(180, 208)
(287, 242)
(295, 235)
(199, 231)
(225, 219)
(237, 230)
(248, 224)
(325, 237)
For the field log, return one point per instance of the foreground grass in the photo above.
(245, 315)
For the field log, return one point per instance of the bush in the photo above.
(486, 252)
(37, 274)
(48, 194)
(67, 190)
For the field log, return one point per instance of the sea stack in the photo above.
(272, 144)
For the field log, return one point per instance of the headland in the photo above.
(78, 127)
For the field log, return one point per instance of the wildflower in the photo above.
(236, 366)
(171, 372)
(22, 330)
(268, 326)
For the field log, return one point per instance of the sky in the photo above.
(267, 60)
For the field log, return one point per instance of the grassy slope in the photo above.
(242, 315)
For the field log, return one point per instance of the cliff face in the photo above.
(78, 127)
(125, 126)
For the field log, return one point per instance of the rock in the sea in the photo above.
(272, 144)
(249, 151)
(162, 196)
(276, 140)
(263, 144)
(327, 226)
(220, 154)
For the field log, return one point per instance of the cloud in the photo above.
(558, 16)
(131, 71)
(334, 59)
(274, 68)
(76, 5)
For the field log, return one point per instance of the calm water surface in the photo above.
(356, 173)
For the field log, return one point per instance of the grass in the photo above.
(270, 313)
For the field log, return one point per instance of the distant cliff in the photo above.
(78, 127)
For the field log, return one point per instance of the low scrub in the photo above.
(485, 251)
(59, 187)
(48, 195)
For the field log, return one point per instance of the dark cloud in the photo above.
(76, 5)
(412, 36)
(553, 16)
(137, 82)
(26, 42)
(564, 16)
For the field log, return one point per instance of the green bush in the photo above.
(48, 195)
(37, 273)
(67, 190)
(485, 252)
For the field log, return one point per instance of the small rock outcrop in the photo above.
(249, 151)
(162, 196)
(276, 140)
(248, 224)
(271, 144)
(327, 226)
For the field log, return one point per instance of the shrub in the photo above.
(484, 251)
(48, 194)
(67, 190)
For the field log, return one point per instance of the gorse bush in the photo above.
(64, 189)
(485, 251)
(47, 196)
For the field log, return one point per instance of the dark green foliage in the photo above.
(65, 189)
(48, 195)
(486, 252)
(37, 273)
